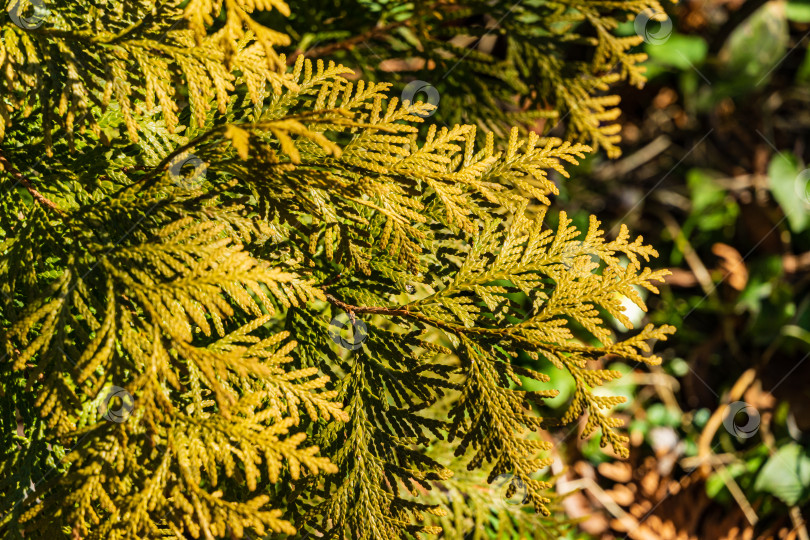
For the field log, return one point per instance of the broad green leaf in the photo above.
(784, 175)
(798, 10)
(756, 47)
(679, 51)
(786, 474)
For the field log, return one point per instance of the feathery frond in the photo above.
(177, 283)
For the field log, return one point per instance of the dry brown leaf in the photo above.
(617, 471)
(732, 265)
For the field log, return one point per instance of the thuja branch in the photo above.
(592, 405)
(39, 197)
(400, 311)
(346, 44)
(508, 332)
(217, 135)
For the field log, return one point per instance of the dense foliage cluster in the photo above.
(188, 215)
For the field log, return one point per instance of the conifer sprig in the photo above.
(195, 262)
(494, 65)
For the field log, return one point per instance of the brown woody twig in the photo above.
(39, 197)
(346, 44)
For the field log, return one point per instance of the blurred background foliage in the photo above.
(714, 174)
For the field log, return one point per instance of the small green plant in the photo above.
(189, 225)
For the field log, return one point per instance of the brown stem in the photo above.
(456, 328)
(346, 44)
(39, 197)
(401, 312)
(406, 312)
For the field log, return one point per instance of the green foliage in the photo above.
(786, 474)
(491, 510)
(788, 184)
(183, 215)
(535, 63)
